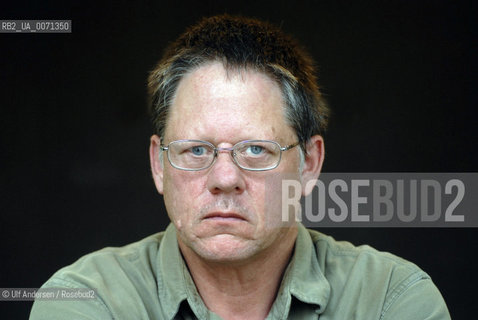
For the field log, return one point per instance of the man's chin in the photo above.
(225, 248)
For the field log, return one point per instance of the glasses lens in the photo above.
(190, 154)
(257, 154)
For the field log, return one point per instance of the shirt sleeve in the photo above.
(418, 300)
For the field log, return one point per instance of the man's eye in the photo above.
(198, 150)
(255, 150)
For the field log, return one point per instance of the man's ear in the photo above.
(313, 163)
(156, 162)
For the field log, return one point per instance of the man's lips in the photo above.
(224, 216)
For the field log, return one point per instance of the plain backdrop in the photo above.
(400, 77)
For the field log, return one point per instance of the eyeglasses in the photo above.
(253, 155)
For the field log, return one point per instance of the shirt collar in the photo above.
(303, 278)
(174, 281)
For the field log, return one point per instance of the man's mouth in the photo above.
(224, 216)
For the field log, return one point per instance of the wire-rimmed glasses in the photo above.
(253, 155)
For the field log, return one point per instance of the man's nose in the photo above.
(224, 175)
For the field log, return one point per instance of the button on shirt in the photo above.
(325, 279)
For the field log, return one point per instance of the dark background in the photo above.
(400, 77)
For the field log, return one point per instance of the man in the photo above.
(236, 108)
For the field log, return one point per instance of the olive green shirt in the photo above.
(325, 279)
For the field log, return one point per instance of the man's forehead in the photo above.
(212, 95)
(212, 84)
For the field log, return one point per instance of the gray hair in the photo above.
(243, 44)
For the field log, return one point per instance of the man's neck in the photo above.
(242, 291)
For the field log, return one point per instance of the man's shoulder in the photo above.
(327, 249)
(136, 253)
(123, 278)
(110, 266)
(386, 285)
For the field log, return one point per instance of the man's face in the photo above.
(225, 213)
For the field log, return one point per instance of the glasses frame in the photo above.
(231, 150)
